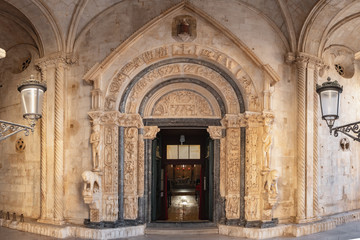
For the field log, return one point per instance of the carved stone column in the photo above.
(52, 138)
(307, 199)
(59, 143)
(43, 165)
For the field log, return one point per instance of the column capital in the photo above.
(150, 132)
(55, 59)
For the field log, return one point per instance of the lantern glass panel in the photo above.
(31, 99)
(330, 104)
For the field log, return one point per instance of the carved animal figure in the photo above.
(90, 179)
(271, 182)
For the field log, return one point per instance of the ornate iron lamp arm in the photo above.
(346, 129)
(8, 129)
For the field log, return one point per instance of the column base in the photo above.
(262, 224)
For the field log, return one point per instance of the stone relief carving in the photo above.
(215, 132)
(232, 207)
(92, 194)
(150, 132)
(95, 142)
(112, 208)
(184, 28)
(130, 173)
(130, 207)
(271, 183)
(251, 208)
(182, 103)
(270, 192)
(267, 141)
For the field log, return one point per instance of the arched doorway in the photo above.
(182, 176)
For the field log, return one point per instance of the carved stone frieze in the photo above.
(215, 132)
(150, 132)
(130, 172)
(110, 170)
(232, 173)
(116, 118)
(182, 103)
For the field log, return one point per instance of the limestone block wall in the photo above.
(339, 169)
(19, 167)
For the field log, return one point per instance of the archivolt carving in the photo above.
(185, 50)
(184, 104)
(181, 70)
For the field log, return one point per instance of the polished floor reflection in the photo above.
(183, 208)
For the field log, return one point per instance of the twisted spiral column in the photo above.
(301, 131)
(59, 142)
(315, 149)
(43, 165)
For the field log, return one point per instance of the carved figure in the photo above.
(266, 146)
(92, 182)
(95, 141)
(271, 182)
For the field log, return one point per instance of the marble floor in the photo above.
(183, 208)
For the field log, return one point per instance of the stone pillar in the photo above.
(307, 202)
(216, 133)
(149, 134)
(43, 165)
(52, 138)
(59, 143)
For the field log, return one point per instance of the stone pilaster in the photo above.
(253, 162)
(232, 170)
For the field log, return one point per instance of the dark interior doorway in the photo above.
(182, 176)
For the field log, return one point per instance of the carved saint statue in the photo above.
(95, 141)
(266, 146)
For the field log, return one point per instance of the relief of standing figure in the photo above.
(95, 141)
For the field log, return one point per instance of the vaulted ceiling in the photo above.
(55, 25)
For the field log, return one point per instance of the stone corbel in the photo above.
(92, 194)
(150, 132)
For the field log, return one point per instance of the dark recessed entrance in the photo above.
(182, 176)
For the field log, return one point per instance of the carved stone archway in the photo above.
(191, 82)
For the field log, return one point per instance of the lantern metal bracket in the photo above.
(348, 130)
(7, 129)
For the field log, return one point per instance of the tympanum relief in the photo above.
(182, 104)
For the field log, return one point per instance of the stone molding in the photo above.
(116, 118)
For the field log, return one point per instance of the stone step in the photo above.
(181, 231)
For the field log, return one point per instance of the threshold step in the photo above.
(181, 231)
